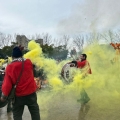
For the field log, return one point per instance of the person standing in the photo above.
(84, 65)
(9, 105)
(25, 93)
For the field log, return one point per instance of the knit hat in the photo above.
(16, 52)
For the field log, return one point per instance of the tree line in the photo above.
(52, 46)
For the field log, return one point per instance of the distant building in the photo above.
(40, 41)
(23, 41)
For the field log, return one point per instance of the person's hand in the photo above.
(2, 99)
(72, 65)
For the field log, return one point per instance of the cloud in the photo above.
(90, 16)
(17, 16)
(23, 18)
(14, 23)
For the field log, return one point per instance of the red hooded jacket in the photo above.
(84, 65)
(26, 83)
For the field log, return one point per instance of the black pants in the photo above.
(9, 106)
(31, 102)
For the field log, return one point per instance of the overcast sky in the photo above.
(58, 17)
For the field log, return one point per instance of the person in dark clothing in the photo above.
(9, 103)
(25, 93)
(40, 75)
(1, 80)
(37, 77)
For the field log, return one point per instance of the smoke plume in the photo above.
(91, 16)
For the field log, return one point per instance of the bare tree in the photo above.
(34, 37)
(65, 40)
(57, 42)
(108, 36)
(93, 38)
(111, 37)
(117, 37)
(6, 40)
(37, 36)
(78, 41)
(47, 39)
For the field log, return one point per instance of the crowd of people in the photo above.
(30, 81)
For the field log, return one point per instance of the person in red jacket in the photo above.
(25, 93)
(84, 66)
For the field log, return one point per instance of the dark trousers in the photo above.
(9, 106)
(31, 102)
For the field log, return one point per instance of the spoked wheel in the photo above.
(65, 73)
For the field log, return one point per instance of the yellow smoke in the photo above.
(49, 65)
(102, 86)
(2, 61)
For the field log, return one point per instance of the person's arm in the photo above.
(6, 86)
(73, 64)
